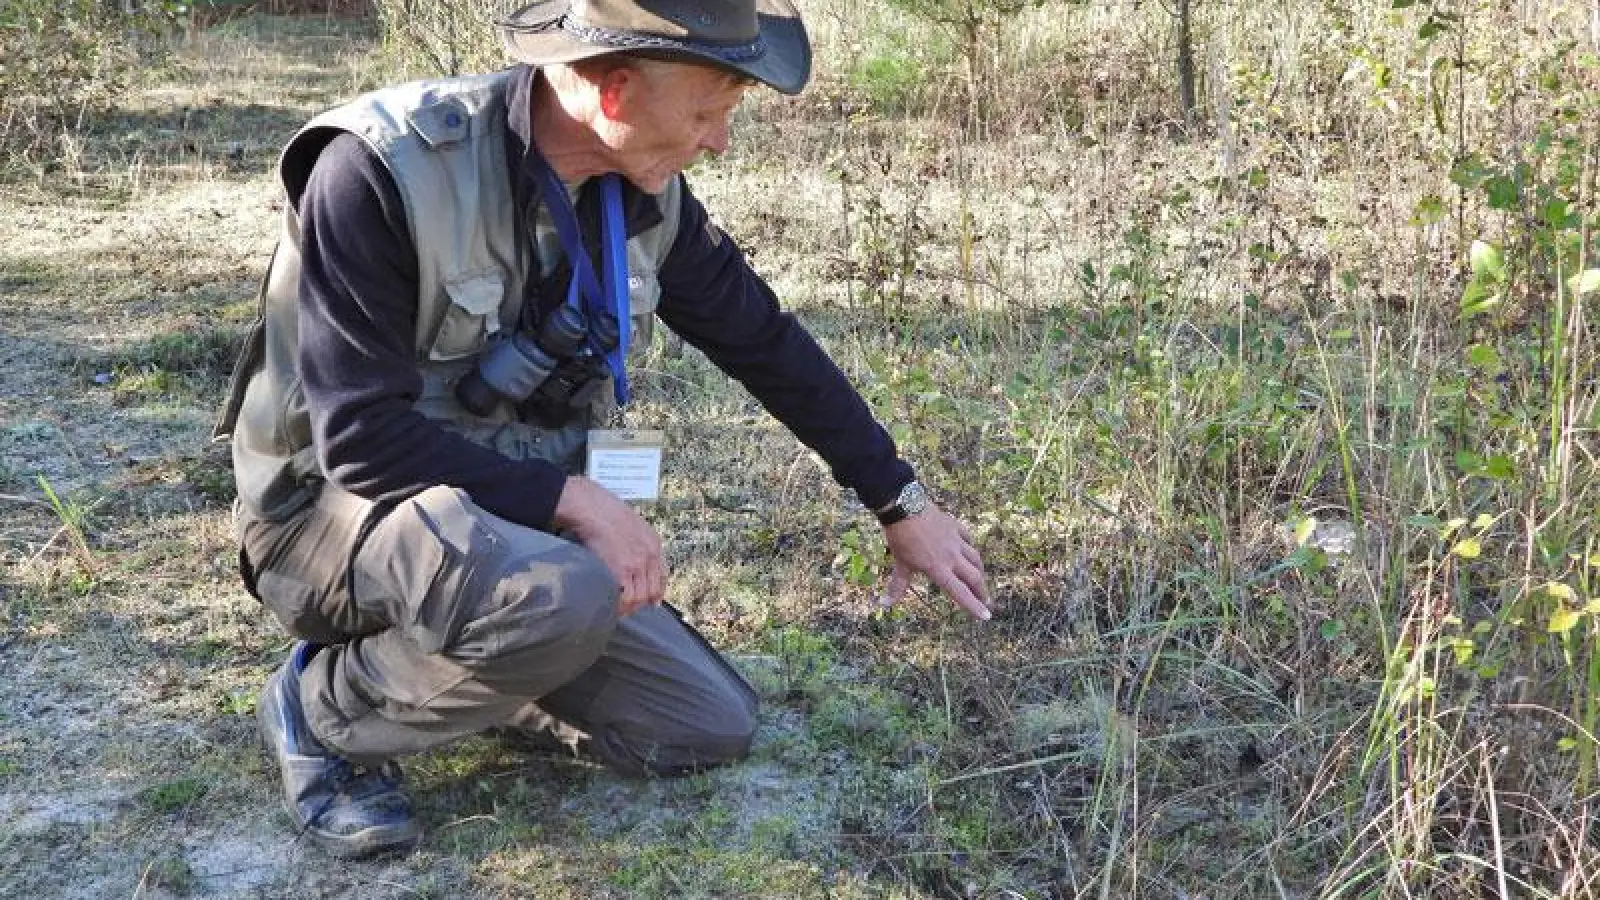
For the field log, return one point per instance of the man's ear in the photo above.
(617, 90)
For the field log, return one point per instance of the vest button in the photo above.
(452, 120)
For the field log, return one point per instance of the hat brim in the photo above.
(784, 64)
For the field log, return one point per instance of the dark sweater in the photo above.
(358, 306)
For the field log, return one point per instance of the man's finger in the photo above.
(972, 577)
(971, 555)
(639, 593)
(625, 603)
(899, 581)
(964, 597)
(658, 581)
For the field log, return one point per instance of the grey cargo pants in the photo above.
(442, 620)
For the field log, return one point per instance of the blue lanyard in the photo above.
(585, 292)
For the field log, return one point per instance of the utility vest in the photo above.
(444, 143)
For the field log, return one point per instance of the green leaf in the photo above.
(1486, 358)
(1498, 466)
(1430, 210)
(1477, 299)
(1488, 261)
(1309, 560)
(1549, 546)
(1468, 462)
(1330, 629)
(1567, 744)
(1264, 253)
(1484, 520)
(1431, 29)
(1563, 620)
(1470, 172)
(1468, 548)
(1382, 75)
(1584, 283)
(1502, 191)
(1303, 530)
(1558, 590)
(1558, 215)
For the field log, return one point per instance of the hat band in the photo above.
(632, 40)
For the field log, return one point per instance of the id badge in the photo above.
(626, 463)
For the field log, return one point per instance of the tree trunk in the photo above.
(1186, 62)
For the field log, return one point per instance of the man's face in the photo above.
(663, 116)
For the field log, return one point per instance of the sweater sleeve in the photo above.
(712, 297)
(358, 310)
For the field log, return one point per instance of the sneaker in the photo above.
(349, 810)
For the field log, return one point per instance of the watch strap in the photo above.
(892, 514)
(911, 500)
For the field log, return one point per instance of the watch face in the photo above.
(913, 499)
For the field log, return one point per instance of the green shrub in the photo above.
(443, 37)
(61, 62)
(890, 81)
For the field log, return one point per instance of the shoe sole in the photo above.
(376, 841)
(368, 843)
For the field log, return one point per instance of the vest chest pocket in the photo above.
(644, 292)
(472, 317)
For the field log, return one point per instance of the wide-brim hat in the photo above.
(763, 39)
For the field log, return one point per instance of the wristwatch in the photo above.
(911, 500)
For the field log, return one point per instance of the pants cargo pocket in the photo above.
(418, 570)
(299, 568)
(295, 604)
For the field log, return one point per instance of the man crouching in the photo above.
(463, 267)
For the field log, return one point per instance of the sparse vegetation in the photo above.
(1276, 421)
(173, 796)
(65, 62)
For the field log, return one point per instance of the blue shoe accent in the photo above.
(349, 810)
(300, 655)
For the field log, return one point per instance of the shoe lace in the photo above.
(343, 775)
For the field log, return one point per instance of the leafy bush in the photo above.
(62, 61)
(890, 81)
(444, 37)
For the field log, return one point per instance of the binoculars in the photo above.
(545, 372)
